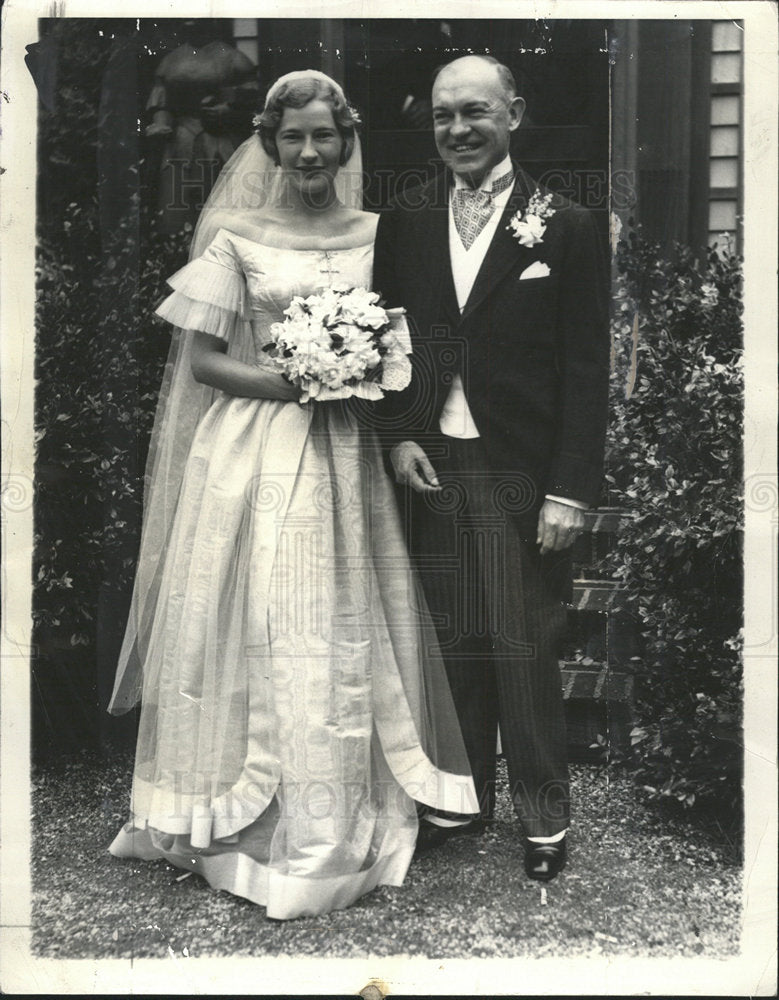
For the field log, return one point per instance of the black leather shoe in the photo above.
(544, 861)
(431, 835)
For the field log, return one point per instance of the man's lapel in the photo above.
(436, 236)
(504, 252)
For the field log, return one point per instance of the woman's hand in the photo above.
(277, 387)
(212, 366)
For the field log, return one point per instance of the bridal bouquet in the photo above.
(341, 342)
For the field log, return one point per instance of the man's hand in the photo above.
(558, 526)
(412, 467)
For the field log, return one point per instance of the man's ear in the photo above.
(516, 110)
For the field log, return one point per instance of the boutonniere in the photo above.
(529, 227)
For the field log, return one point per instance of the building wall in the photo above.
(676, 128)
(385, 64)
(676, 106)
(726, 141)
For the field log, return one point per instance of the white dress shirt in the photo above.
(456, 419)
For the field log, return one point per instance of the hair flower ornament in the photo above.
(356, 120)
(529, 227)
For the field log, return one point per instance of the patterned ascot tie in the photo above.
(472, 209)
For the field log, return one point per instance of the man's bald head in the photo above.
(504, 75)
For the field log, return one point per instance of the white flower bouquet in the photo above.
(341, 342)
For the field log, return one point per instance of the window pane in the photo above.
(726, 68)
(245, 27)
(724, 173)
(722, 215)
(725, 110)
(248, 46)
(724, 140)
(725, 36)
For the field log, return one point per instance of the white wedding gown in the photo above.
(294, 702)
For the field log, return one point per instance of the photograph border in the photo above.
(753, 971)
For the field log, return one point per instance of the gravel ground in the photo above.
(636, 885)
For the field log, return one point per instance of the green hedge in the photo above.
(675, 467)
(100, 354)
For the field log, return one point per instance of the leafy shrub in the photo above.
(101, 268)
(70, 61)
(675, 467)
(100, 354)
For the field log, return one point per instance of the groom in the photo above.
(498, 441)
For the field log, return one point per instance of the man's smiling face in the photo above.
(473, 117)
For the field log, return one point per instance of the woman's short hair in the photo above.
(297, 94)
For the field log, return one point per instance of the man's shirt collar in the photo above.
(499, 170)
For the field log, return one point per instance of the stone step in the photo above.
(604, 520)
(593, 595)
(592, 545)
(598, 702)
(597, 683)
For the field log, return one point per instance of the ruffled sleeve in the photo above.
(209, 293)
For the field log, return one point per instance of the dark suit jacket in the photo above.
(533, 354)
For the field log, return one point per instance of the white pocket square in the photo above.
(536, 270)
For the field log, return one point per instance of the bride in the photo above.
(294, 704)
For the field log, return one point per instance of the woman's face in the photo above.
(309, 146)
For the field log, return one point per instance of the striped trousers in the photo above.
(500, 620)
